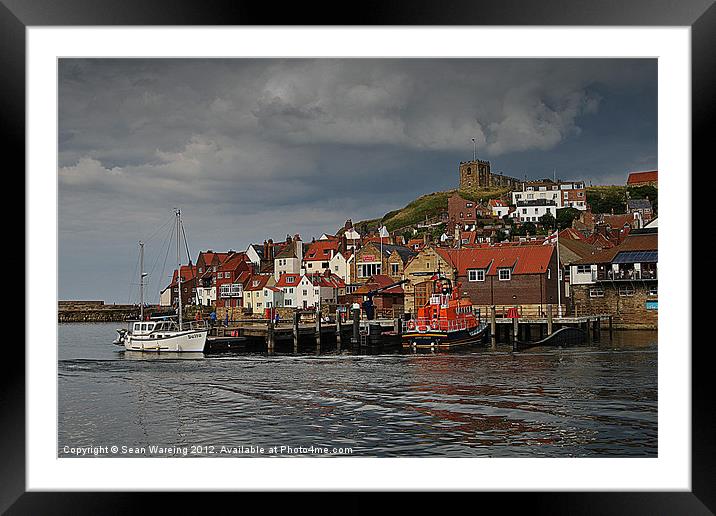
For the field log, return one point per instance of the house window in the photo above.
(475, 275)
(626, 291)
(505, 274)
(584, 269)
(310, 265)
(324, 265)
(287, 302)
(394, 269)
(596, 292)
(305, 292)
(200, 270)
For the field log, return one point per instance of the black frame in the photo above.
(700, 15)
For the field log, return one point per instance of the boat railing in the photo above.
(198, 325)
(425, 324)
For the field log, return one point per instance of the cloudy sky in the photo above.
(257, 148)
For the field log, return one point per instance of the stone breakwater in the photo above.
(94, 311)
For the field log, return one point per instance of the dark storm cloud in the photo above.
(254, 148)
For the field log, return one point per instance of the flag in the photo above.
(552, 238)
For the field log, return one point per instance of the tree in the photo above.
(566, 216)
(529, 228)
(547, 220)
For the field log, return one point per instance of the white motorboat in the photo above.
(163, 334)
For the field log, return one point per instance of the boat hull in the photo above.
(432, 339)
(190, 341)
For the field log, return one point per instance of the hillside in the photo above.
(430, 205)
(602, 199)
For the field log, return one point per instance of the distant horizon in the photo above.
(252, 149)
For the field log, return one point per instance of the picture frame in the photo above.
(16, 16)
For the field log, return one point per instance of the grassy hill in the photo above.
(430, 205)
(602, 199)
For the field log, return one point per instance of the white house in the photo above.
(342, 265)
(318, 256)
(531, 211)
(499, 208)
(272, 297)
(165, 297)
(564, 193)
(289, 260)
(253, 292)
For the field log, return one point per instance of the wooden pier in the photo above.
(317, 334)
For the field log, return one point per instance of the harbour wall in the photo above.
(94, 311)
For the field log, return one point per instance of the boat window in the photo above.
(144, 327)
(137, 326)
(150, 327)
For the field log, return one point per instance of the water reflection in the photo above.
(586, 401)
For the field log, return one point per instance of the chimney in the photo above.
(270, 249)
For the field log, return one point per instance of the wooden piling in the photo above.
(515, 332)
(296, 319)
(588, 328)
(355, 339)
(270, 337)
(611, 330)
(493, 326)
(318, 330)
(339, 329)
(549, 319)
(596, 329)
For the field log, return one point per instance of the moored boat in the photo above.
(164, 334)
(446, 321)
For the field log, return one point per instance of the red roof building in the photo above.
(649, 178)
(506, 275)
(188, 286)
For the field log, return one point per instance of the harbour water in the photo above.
(587, 401)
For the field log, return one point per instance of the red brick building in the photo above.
(522, 275)
(464, 212)
(188, 286)
(231, 277)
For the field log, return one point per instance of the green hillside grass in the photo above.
(602, 199)
(430, 205)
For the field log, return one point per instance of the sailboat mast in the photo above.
(141, 281)
(178, 213)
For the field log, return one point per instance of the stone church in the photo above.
(476, 175)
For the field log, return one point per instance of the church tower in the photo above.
(475, 174)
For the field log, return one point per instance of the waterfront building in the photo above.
(622, 280)
(253, 292)
(388, 259)
(290, 258)
(388, 303)
(273, 297)
(318, 255)
(207, 265)
(417, 271)
(341, 264)
(188, 286)
(231, 276)
(508, 275)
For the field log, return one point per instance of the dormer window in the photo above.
(505, 274)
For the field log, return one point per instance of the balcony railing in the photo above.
(625, 275)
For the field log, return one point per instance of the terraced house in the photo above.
(622, 280)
